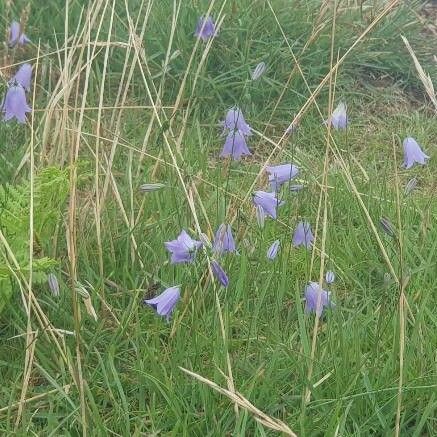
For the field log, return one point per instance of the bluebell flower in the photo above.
(15, 105)
(280, 174)
(224, 240)
(413, 153)
(303, 236)
(205, 28)
(338, 118)
(267, 201)
(16, 36)
(183, 249)
(314, 294)
(23, 77)
(235, 146)
(272, 252)
(165, 303)
(219, 273)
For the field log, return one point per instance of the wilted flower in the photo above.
(219, 273)
(303, 235)
(272, 252)
(260, 216)
(164, 303)
(329, 277)
(316, 299)
(413, 153)
(338, 118)
(279, 174)
(267, 201)
(224, 241)
(53, 284)
(411, 185)
(183, 249)
(387, 226)
(16, 37)
(205, 28)
(15, 105)
(23, 77)
(296, 188)
(259, 71)
(234, 120)
(148, 188)
(235, 146)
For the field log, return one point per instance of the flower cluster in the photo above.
(184, 249)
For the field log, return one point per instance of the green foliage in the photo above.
(49, 194)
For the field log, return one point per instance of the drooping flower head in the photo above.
(205, 28)
(16, 36)
(224, 240)
(272, 252)
(219, 273)
(14, 104)
(23, 77)
(267, 201)
(280, 174)
(329, 277)
(413, 153)
(338, 118)
(183, 249)
(303, 236)
(316, 299)
(235, 146)
(234, 120)
(164, 304)
(258, 71)
(237, 129)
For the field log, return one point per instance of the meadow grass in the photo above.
(123, 95)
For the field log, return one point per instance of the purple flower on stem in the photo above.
(164, 303)
(205, 28)
(235, 146)
(267, 201)
(15, 105)
(413, 153)
(272, 252)
(16, 37)
(23, 77)
(234, 120)
(183, 249)
(338, 118)
(280, 174)
(316, 299)
(303, 235)
(224, 241)
(219, 273)
(330, 277)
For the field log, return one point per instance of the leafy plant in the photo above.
(49, 195)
